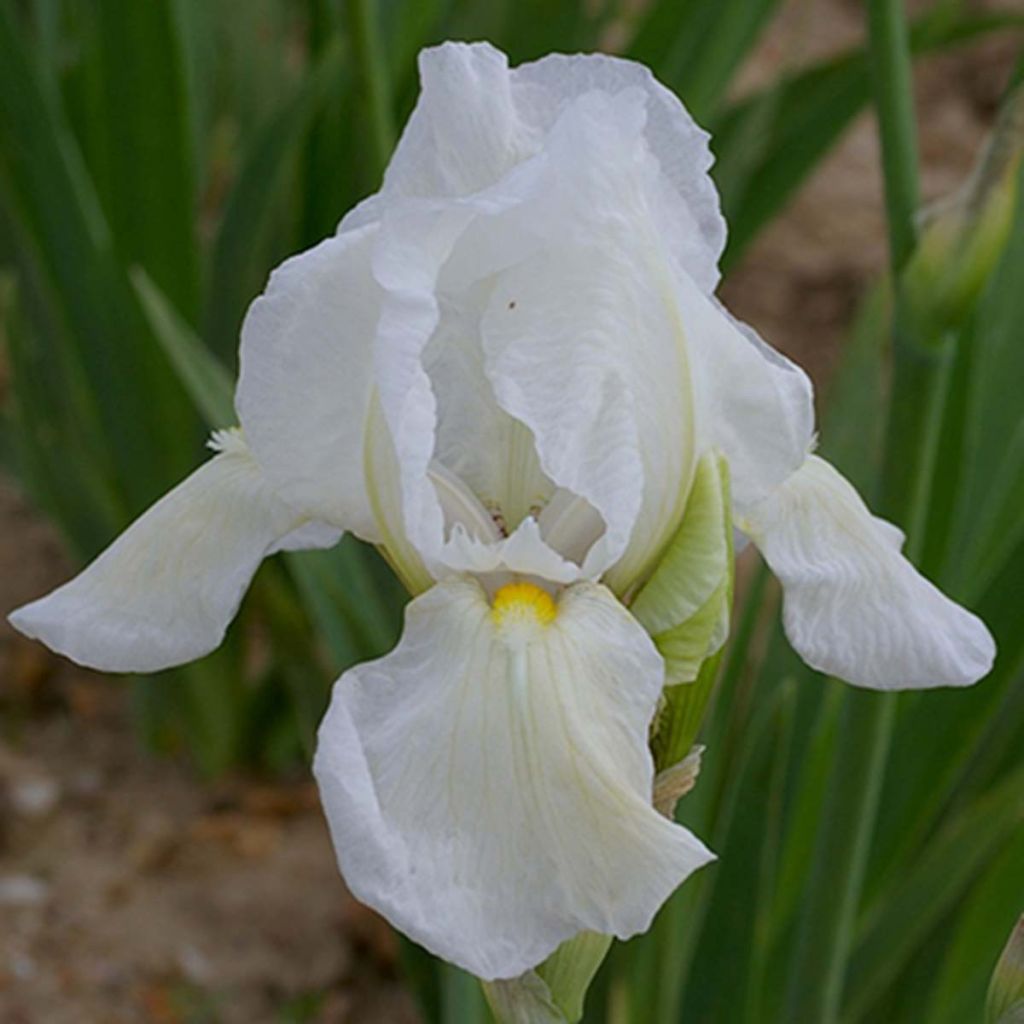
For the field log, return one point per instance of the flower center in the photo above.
(523, 603)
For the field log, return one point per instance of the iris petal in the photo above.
(504, 116)
(488, 783)
(854, 606)
(164, 592)
(306, 379)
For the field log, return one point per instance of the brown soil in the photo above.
(132, 892)
(799, 284)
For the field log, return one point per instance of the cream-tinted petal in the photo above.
(524, 552)
(488, 785)
(164, 592)
(465, 133)
(306, 380)
(584, 341)
(582, 179)
(477, 440)
(477, 119)
(854, 607)
(544, 88)
(755, 406)
(415, 249)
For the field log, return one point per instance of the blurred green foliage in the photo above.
(157, 158)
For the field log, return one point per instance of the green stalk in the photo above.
(919, 386)
(825, 938)
(770, 856)
(365, 32)
(889, 55)
(462, 999)
(680, 924)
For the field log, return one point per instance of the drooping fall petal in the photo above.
(488, 783)
(855, 607)
(164, 592)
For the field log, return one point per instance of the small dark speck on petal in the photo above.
(512, 304)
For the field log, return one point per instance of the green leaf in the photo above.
(853, 431)
(769, 142)
(889, 54)
(979, 930)
(462, 999)
(696, 47)
(409, 25)
(375, 77)
(240, 252)
(685, 606)
(207, 381)
(729, 944)
(808, 806)
(49, 195)
(352, 598)
(686, 647)
(331, 170)
(143, 144)
(54, 434)
(902, 916)
(989, 525)
(196, 31)
(969, 731)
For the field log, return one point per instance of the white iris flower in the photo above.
(507, 369)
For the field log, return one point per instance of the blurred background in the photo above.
(162, 854)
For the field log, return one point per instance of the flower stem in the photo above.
(889, 52)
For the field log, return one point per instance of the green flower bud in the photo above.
(685, 606)
(522, 1000)
(963, 236)
(1006, 992)
(554, 992)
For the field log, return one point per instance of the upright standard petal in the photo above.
(854, 607)
(488, 783)
(618, 430)
(568, 252)
(480, 443)
(306, 381)
(415, 248)
(476, 119)
(164, 592)
(756, 407)
(680, 146)
(465, 132)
